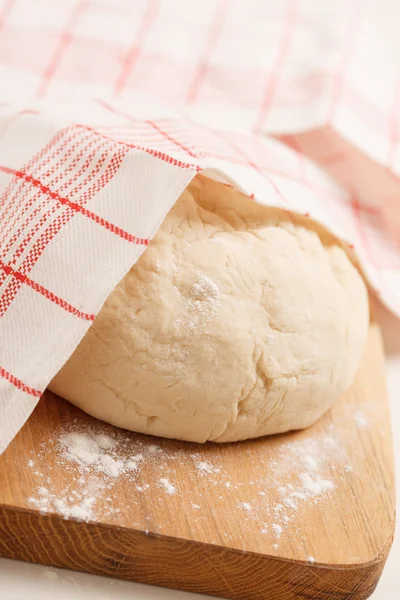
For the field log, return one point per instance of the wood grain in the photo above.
(219, 532)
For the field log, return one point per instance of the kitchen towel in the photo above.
(108, 108)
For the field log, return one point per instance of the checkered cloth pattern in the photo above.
(108, 108)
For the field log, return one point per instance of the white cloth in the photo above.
(109, 108)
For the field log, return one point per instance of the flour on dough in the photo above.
(239, 320)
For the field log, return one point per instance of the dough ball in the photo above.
(238, 321)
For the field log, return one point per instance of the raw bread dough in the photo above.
(238, 321)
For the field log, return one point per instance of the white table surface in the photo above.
(21, 581)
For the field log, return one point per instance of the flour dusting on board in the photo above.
(205, 467)
(302, 472)
(167, 485)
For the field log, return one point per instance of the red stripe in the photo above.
(263, 170)
(58, 174)
(23, 204)
(63, 43)
(201, 154)
(50, 152)
(283, 49)
(248, 162)
(76, 207)
(171, 139)
(253, 165)
(18, 383)
(151, 123)
(339, 78)
(288, 140)
(8, 270)
(134, 51)
(215, 32)
(357, 209)
(156, 153)
(332, 159)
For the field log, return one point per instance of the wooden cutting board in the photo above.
(302, 515)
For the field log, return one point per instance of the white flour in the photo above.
(167, 485)
(205, 467)
(96, 462)
(245, 505)
(360, 420)
(315, 487)
(76, 505)
(203, 304)
(277, 529)
(205, 289)
(92, 450)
